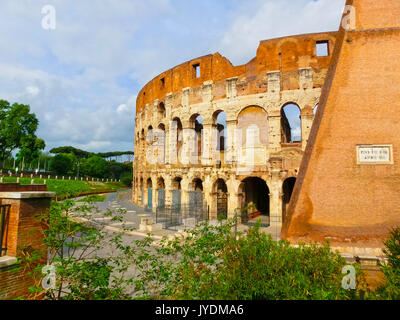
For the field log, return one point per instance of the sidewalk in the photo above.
(121, 201)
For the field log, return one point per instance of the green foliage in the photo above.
(126, 179)
(391, 288)
(116, 170)
(62, 164)
(69, 188)
(85, 154)
(30, 149)
(212, 264)
(95, 166)
(77, 152)
(93, 198)
(17, 129)
(74, 241)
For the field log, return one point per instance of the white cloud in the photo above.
(266, 19)
(32, 91)
(82, 78)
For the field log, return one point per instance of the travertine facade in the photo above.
(262, 167)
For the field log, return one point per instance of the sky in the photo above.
(82, 77)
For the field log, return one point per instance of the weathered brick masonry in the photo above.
(341, 194)
(23, 231)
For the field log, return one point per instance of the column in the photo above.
(232, 143)
(307, 118)
(275, 201)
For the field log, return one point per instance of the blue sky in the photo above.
(81, 79)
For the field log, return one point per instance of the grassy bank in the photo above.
(71, 188)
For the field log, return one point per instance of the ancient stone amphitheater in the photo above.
(240, 121)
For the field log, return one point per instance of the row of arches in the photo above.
(252, 121)
(290, 120)
(252, 192)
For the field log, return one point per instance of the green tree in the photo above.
(30, 149)
(17, 129)
(62, 164)
(95, 166)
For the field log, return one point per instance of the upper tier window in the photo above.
(196, 70)
(322, 48)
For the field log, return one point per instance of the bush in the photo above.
(391, 288)
(126, 179)
(212, 264)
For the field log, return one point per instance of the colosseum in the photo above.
(225, 137)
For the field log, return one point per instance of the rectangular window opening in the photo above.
(196, 70)
(162, 82)
(323, 48)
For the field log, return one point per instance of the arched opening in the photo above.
(291, 123)
(287, 190)
(160, 193)
(150, 135)
(160, 138)
(176, 195)
(221, 191)
(149, 194)
(253, 123)
(255, 199)
(141, 192)
(161, 110)
(176, 143)
(196, 197)
(196, 123)
(219, 120)
(142, 144)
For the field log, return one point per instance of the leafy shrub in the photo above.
(212, 264)
(391, 288)
(126, 179)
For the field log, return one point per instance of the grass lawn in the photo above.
(93, 198)
(71, 188)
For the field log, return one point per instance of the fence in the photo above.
(181, 216)
(49, 176)
(4, 212)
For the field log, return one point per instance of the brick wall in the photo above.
(23, 232)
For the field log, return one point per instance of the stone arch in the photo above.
(161, 111)
(219, 121)
(196, 123)
(253, 123)
(141, 191)
(160, 143)
(149, 192)
(176, 194)
(176, 139)
(160, 192)
(291, 123)
(220, 198)
(255, 192)
(287, 191)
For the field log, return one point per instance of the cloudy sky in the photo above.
(81, 79)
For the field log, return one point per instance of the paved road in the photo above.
(122, 201)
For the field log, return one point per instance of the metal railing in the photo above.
(178, 216)
(4, 213)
